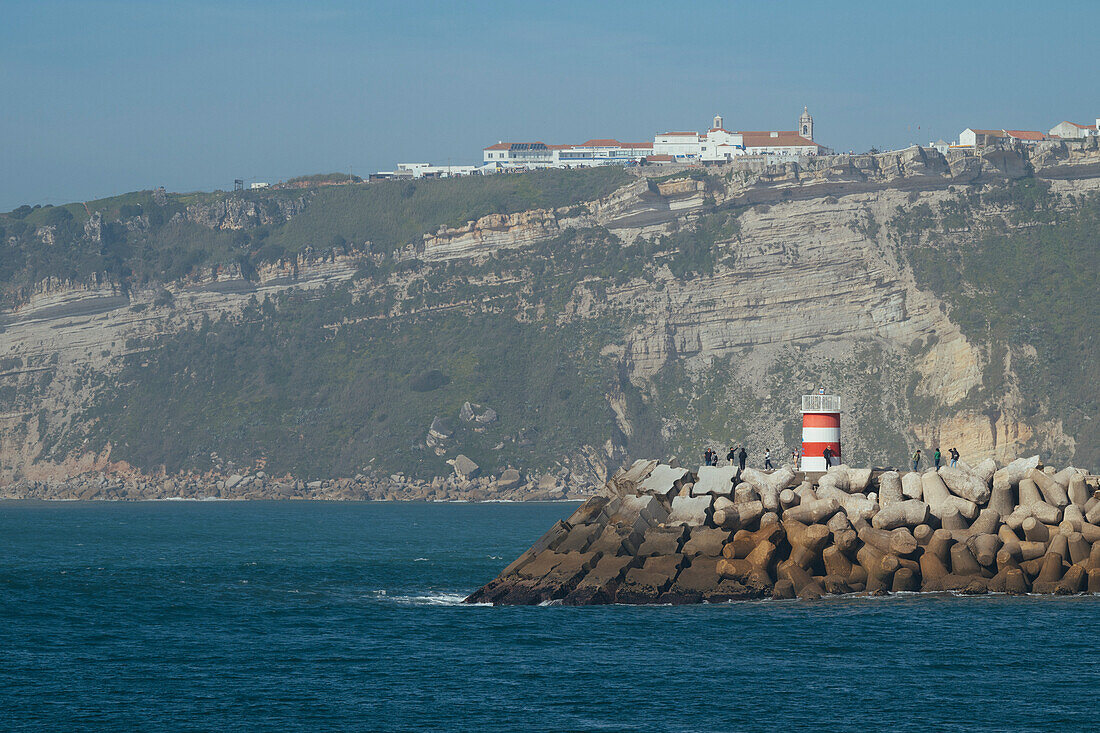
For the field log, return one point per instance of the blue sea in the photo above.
(295, 616)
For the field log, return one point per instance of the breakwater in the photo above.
(660, 533)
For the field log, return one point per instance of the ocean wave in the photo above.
(438, 598)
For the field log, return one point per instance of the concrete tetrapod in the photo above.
(984, 548)
(908, 513)
(1053, 492)
(1093, 514)
(813, 511)
(1013, 472)
(745, 492)
(965, 484)
(911, 486)
(854, 505)
(769, 485)
(988, 522)
(859, 480)
(985, 470)
(889, 489)
(1066, 475)
(1078, 548)
(898, 542)
(805, 587)
(1078, 492)
(1003, 499)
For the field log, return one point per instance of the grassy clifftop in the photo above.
(139, 237)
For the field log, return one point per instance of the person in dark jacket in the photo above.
(954, 457)
(742, 456)
(827, 454)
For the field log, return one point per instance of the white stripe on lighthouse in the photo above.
(820, 435)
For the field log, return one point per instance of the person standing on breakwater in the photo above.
(916, 459)
(742, 456)
(768, 459)
(732, 455)
(936, 458)
(827, 454)
(706, 456)
(954, 457)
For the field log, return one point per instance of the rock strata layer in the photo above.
(652, 536)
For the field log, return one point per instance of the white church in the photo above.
(716, 145)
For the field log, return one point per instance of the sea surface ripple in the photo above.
(198, 616)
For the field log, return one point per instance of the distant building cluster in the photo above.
(716, 145)
(973, 137)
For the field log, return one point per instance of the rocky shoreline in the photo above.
(128, 484)
(659, 533)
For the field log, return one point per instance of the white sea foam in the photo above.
(438, 598)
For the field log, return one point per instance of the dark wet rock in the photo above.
(647, 583)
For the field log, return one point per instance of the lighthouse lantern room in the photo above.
(820, 430)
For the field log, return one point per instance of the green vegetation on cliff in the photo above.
(140, 238)
(319, 402)
(1029, 282)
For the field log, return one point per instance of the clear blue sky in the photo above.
(98, 98)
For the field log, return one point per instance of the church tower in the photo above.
(806, 125)
(717, 122)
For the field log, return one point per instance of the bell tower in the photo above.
(806, 124)
(717, 122)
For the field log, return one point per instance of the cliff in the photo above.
(629, 314)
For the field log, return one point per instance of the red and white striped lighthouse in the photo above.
(820, 430)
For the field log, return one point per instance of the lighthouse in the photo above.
(820, 429)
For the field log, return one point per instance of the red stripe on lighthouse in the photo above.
(821, 420)
(817, 450)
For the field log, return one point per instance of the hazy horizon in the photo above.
(107, 97)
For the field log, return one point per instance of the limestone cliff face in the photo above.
(236, 213)
(809, 288)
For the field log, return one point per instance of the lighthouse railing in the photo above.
(820, 403)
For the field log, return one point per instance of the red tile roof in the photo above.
(1080, 127)
(782, 138)
(601, 143)
(1026, 134)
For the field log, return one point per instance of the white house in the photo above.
(1073, 131)
(677, 144)
(601, 151)
(972, 137)
(779, 143)
(519, 155)
(427, 170)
